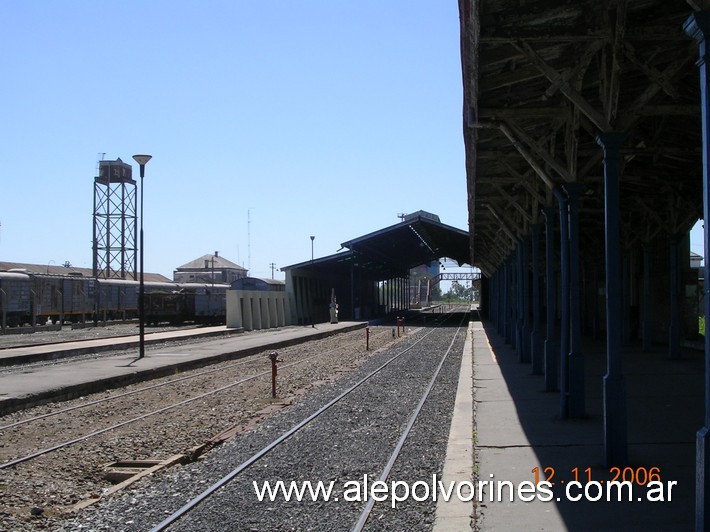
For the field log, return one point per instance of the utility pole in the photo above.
(272, 265)
(249, 239)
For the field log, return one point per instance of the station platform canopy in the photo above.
(390, 252)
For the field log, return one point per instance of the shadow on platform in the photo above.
(519, 428)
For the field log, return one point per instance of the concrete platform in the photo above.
(71, 379)
(518, 428)
(456, 515)
(38, 352)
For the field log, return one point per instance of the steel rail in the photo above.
(151, 387)
(190, 505)
(365, 514)
(62, 445)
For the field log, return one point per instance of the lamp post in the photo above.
(216, 253)
(142, 160)
(313, 325)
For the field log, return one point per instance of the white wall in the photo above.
(254, 310)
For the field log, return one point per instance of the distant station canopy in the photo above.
(381, 258)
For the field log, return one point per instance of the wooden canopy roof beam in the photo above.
(554, 77)
(514, 203)
(511, 131)
(524, 181)
(612, 96)
(500, 221)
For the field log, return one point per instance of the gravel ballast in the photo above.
(38, 493)
(352, 439)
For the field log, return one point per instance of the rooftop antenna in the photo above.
(401, 215)
(100, 157)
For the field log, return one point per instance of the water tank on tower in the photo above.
(115, 221)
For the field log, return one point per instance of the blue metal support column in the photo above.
(352, 292)
(626, 299)
(615, 432)
(395, 294)
(674, 307)
(595, 305)
(513, 299)
(564, 302)
(576, 358)
(525, 309)
(501, 299)
(646, 333)
(490, 298)
(506, 301)
(510, 329)
(496, 276)
(551, 348)
(400, 289)
(698, 27)
(536, 333)
(519, 300)
(493, 294)
(408, 292)
(485, 292)
(388, 302)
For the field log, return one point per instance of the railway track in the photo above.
(370, 425)
(258, 364)
(162, 418)
(367, 510)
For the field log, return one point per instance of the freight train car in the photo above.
(188, 302)
(15, 290)
(31, 298)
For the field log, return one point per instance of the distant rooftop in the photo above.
(420, 214)
(54, 269)
(214, 261)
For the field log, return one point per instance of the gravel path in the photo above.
(349, 441)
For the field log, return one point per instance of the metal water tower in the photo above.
(115, 221)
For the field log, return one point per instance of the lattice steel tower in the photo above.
(115, 221)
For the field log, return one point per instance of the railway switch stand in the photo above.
(400, 323)
(274, 359)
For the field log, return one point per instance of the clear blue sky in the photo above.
(323, 118)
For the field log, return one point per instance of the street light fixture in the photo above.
(313, 281)
(142, 160)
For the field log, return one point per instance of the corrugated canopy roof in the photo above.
(394, 250)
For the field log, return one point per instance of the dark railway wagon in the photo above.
(30, 298)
